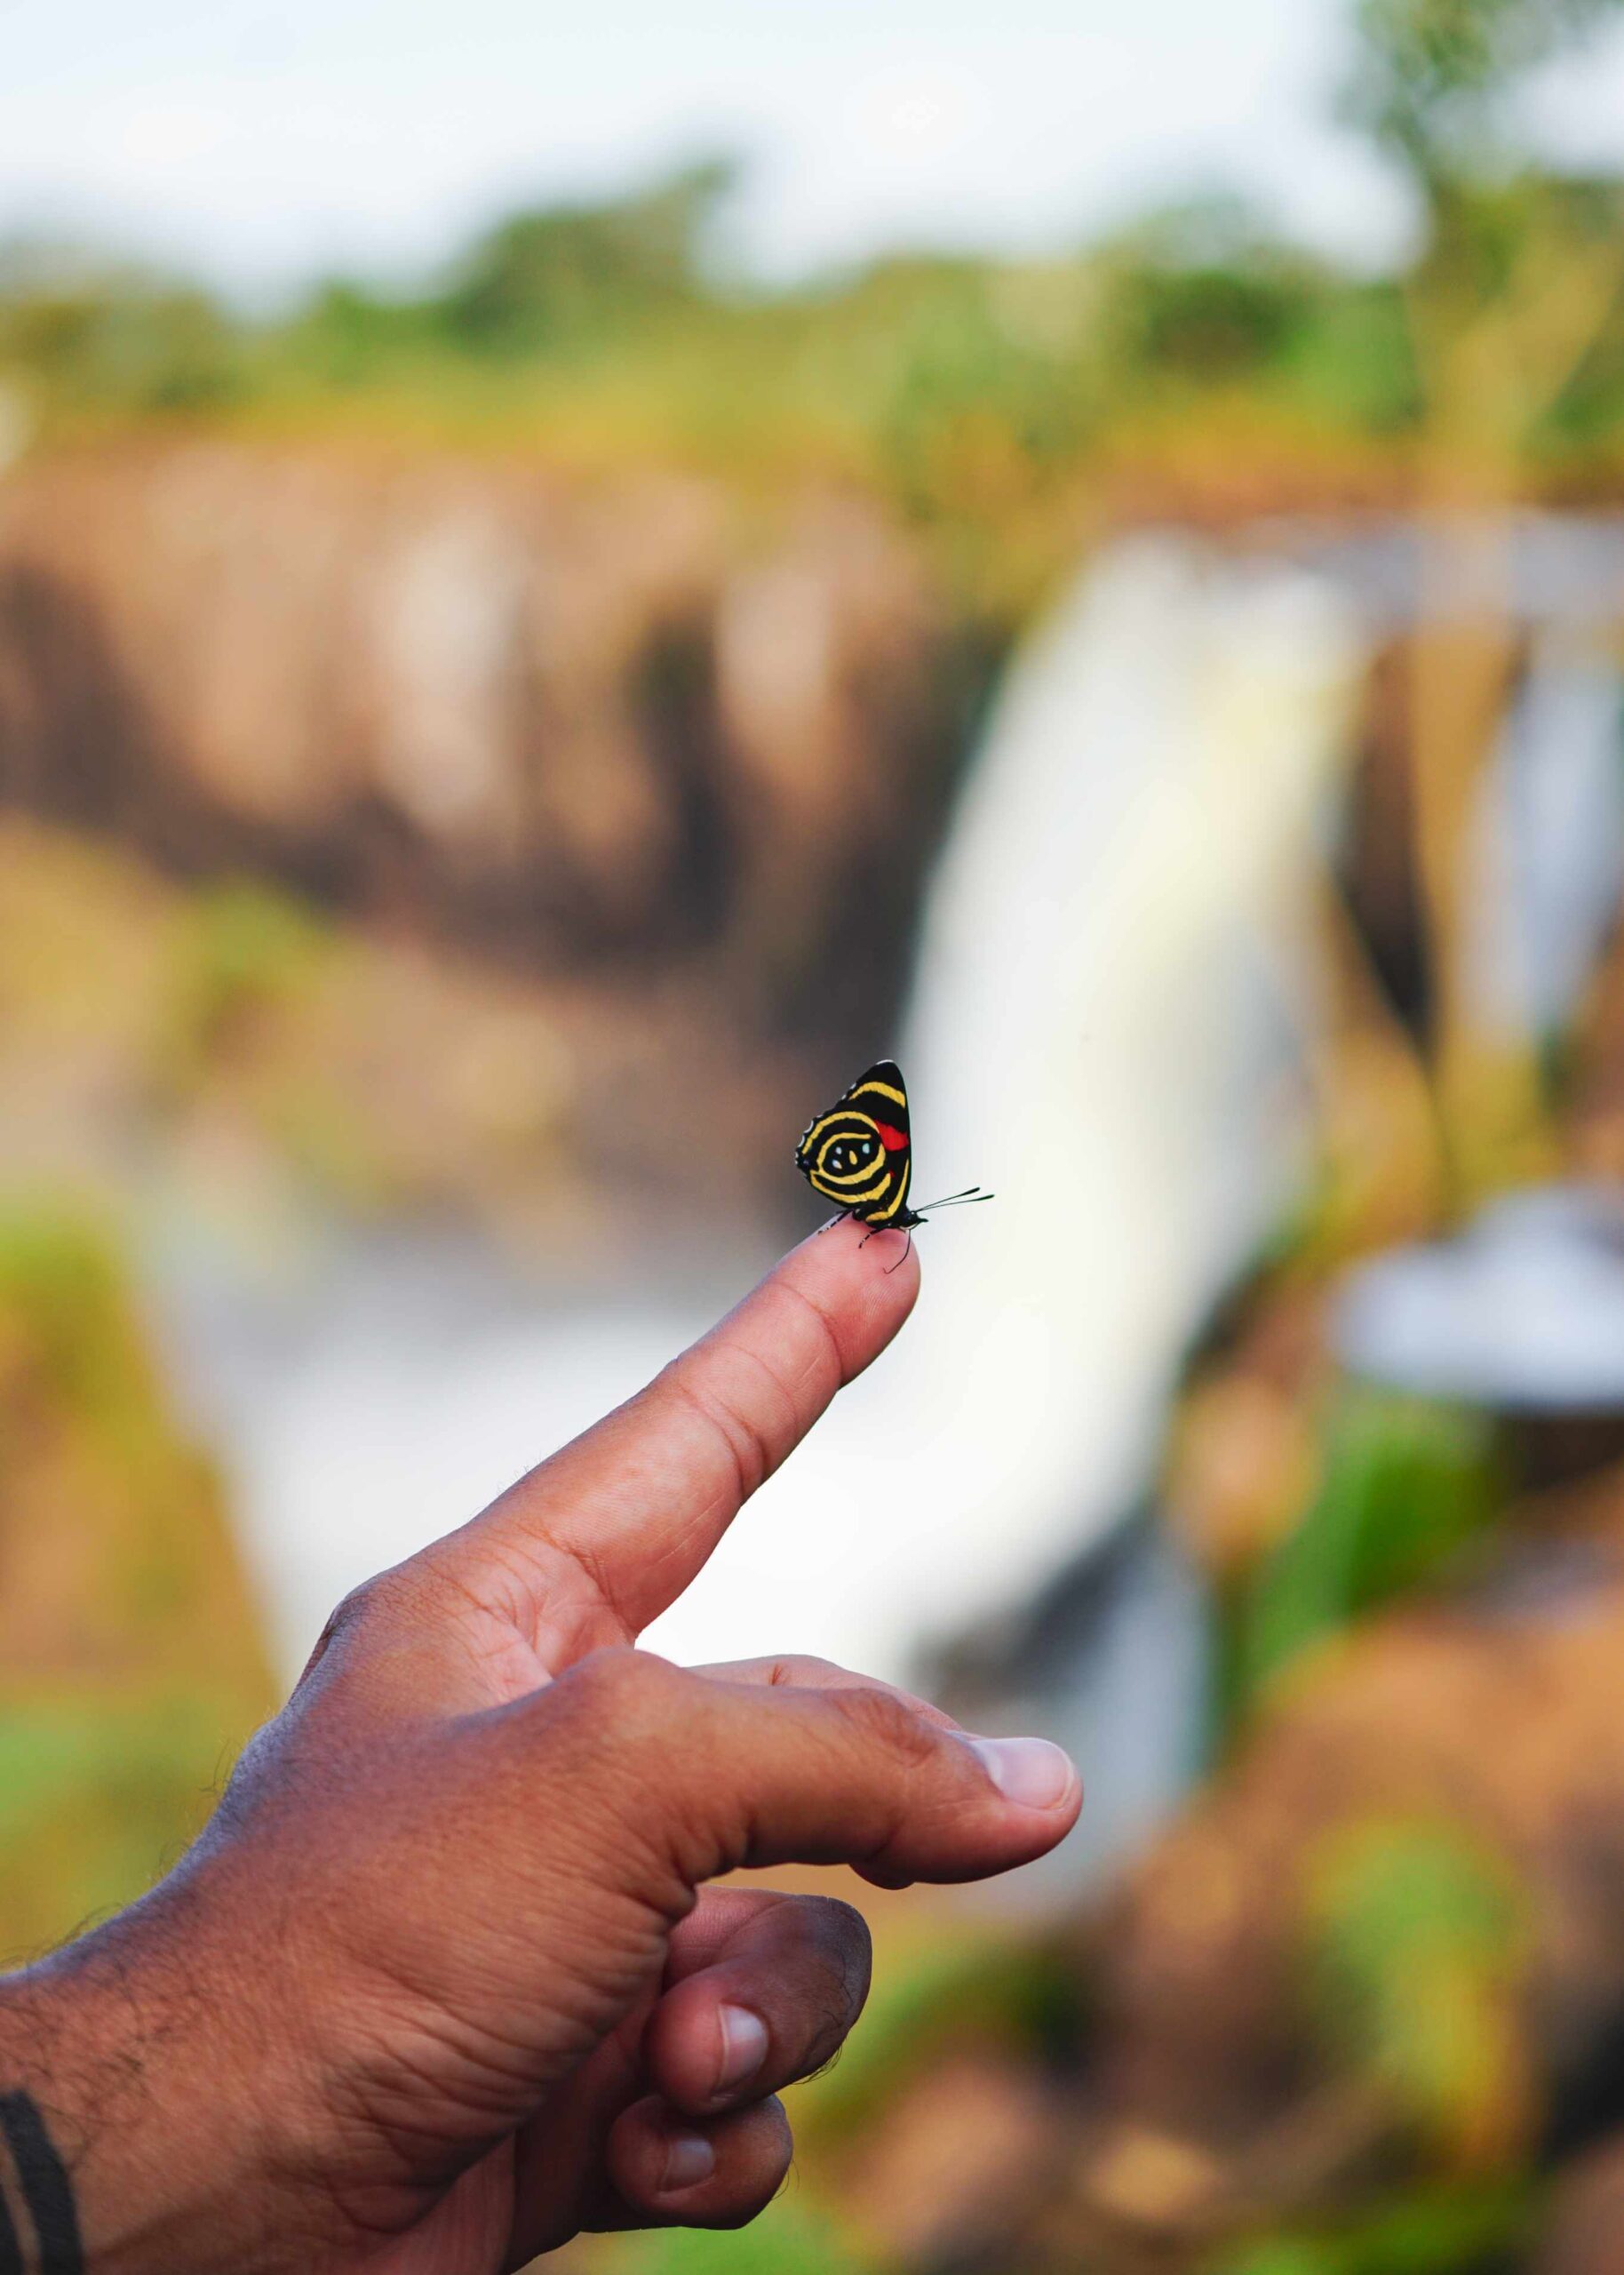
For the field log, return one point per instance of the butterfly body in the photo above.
(859, 1154)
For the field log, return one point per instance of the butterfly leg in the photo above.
(875, 1229)
(833, 1221)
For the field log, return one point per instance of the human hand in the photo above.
(443, 1984)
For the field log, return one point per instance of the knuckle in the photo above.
(800, 1672)
(353, 1610)
(365, 1607)
(627, 1691)
(739, 1435)
(609, 1724)
(829, 1674)
(884, 1723)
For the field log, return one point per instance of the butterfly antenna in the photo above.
(965, 1200)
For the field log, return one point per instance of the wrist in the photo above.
(148, 2134)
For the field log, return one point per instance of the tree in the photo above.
(1520, 269)
(561, 274)
(1436, 81)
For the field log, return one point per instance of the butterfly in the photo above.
(860, 1156)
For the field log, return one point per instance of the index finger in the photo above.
(595, 1542)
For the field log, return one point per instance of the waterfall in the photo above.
(1112, 988)
(1545, 861)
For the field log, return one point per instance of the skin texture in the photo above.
(444, 1984)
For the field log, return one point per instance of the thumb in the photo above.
(690, 1777)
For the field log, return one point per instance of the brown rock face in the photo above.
(614, 726)
(1380, 1959)
(1496, 1719)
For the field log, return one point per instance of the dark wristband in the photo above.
(35, 2195)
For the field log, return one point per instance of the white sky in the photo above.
(265, 139)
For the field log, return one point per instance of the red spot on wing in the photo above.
(894, 1141)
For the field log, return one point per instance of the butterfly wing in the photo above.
(859, 1154)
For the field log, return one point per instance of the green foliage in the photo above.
(244, 947)
(64, 1299)
(787, 2239)
(979, 393)
(1433, 76)
(1458, 2230)
(1485, 231)
(1417, 1940)
(1519, 271)
(1215, 322)
(1405, 1483)
(983, 397)
(96, 1798)
(345, 333)
(130, 1666)
(1202, 296)
(1200, 290)
(1018, 1996)
(116, 339)
(1582, 416)
(987, 397)
(566, 273)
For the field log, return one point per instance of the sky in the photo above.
(265, 141)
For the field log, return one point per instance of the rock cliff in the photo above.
(615, 725)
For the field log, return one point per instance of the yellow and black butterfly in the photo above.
(860, 1156)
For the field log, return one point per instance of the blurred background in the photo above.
(563, 586)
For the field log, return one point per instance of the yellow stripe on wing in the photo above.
(832, 1190)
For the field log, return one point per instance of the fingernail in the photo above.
(690, 2159)
(743, 2047)
(1029, 1771)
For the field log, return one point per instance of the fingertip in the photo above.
(856, 1277)
(1033, 1773)
(1031, 1797)
(702, 2048)
(1039, 1782)
(742, 2044)
(717, 2174)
